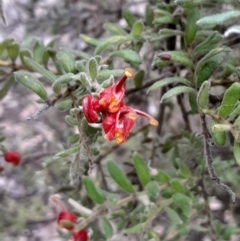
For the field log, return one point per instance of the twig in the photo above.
(39, 112)
(184, 113)
(209, 160)
(207, 207)
(2, 12)
(82, 134)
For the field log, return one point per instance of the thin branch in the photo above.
(209, 160)
(207, 208)
(184, 113)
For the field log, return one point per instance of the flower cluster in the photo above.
(12, 157)
(109, 108)
(67, 220)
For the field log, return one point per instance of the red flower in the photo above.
(118, 125)
(112, 98)
(91, 108)
(12, 156)
(1, 168)
(66, 220)
(81, 235)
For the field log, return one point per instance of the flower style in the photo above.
(13, 157)
(81, 235)
(112, 98)
(91, 108)
(66, 220)
(118, 125)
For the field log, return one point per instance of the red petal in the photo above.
(91, 108)
(13, 156)
(81, 235)
(66, 215)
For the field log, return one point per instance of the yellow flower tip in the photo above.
(153, 122)
(102, 101)
(129, 72)
(132, 116)
(119, 137)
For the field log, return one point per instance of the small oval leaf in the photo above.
(92, 191)
(177, 91)
(31, 83)
(119, 177)
(141, 169)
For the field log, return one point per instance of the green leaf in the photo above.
(203, 95)
(92, 191)
(218, 19)
(64, 105)
(31, 83)
(192, 97)
(38, 51)
(70, 120)
(73, 139)
(221, 127)
(141, 169)
(184, 202)
(119, 177)
(106, 73)
(162, 177)
(191, 26)
(128, 55)
(189, 3)
(90, 41)
(236, 152)
(4, 45)
(64, 79)
(39, 68)
(122, 224)
(66, 61)
(177, 91)
(210, 42)
(80, 65)
(174, 217)
(111, 40)
(167, 81)
(78, 53)
(177, 185)
(129, 17)
(13, 51)
(138, 78)
(230, 99)
(68, 152)
(23, 54)
(219, 138)
(184, 170)
(46, 53)
(114, 29)
(152, 189)
(163, 20)
(135, 229)
(235, 113)
(208, 67)
(149, 16)
(92, 68)
(7, 85)
(137, 29)
(179, 57)
(108, 229)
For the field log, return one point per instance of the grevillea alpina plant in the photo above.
(175, 56)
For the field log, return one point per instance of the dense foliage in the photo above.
(158, 182)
